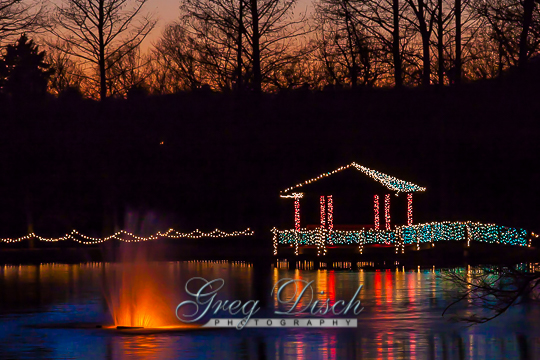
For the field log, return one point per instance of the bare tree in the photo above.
(515, 28)
(211, 29)
(458, 38)
(528, 14)
(179, 62)
(303, 72)
(458, 9)
(346, 52)
(101, 32)
(273, 37)
(68, 74)
(242, 43)
(492, 290)
(422, 19)
(132, 72)
(382, 23)
(17, 17)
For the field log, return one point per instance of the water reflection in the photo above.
(401, 318)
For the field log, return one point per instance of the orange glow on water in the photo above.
(136, 297)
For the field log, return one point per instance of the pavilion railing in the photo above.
(403, 235)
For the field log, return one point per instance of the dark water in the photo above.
(50, 312)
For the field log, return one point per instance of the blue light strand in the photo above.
(405, 235)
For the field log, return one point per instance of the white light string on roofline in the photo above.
(126, 236)
(390, 182)
(293, 196)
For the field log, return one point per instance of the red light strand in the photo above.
(323, 212)
(387, 211)
(409, 210)
(297, 214)
(330, 213)
(376, 211)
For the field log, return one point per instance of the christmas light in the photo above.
(126, 236)
(406, 235)
(387, 211)
(320, 237)
(390, 182)
(330, 213)
(409, 210)
(323, 210)
(293, 196)
(275, 242)
(376, 210)
(297, 214)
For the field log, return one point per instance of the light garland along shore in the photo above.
(126, 236)
(403, 235)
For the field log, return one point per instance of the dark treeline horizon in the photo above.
(93, 47)
(211, 160)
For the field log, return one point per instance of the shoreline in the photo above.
(442, 255)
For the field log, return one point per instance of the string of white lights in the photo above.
(390, 182)
(126, 236)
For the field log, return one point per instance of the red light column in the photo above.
(330, 213)
(409, 210)
(387, 211)
(323, 212)
(297, 214)
(376, 210)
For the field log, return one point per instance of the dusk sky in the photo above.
(169, 11)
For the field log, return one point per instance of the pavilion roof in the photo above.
(390, 182)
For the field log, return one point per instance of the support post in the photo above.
(387, 211)
(376, 211)
(323, 212)
(330, 213)
(297, 214)
(409, 209)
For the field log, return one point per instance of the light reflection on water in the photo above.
(401, 318)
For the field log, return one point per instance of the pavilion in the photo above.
(389, 184)
(382, 231)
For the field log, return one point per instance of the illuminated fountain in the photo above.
(139, 291)
(137, 295)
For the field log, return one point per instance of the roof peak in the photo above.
(390, 182)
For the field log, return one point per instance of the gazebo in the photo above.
(390, 184)
(382, 231)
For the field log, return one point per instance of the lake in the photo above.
(50, 311)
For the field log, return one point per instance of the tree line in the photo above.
(93, 47)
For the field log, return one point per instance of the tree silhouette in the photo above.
(180, 64)
(344, 49)
(68, 74)
(101, 32)
(515, 27)
(381, 23)
(23, 71)
(492, 290)
(16, 16)
(238, 43)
